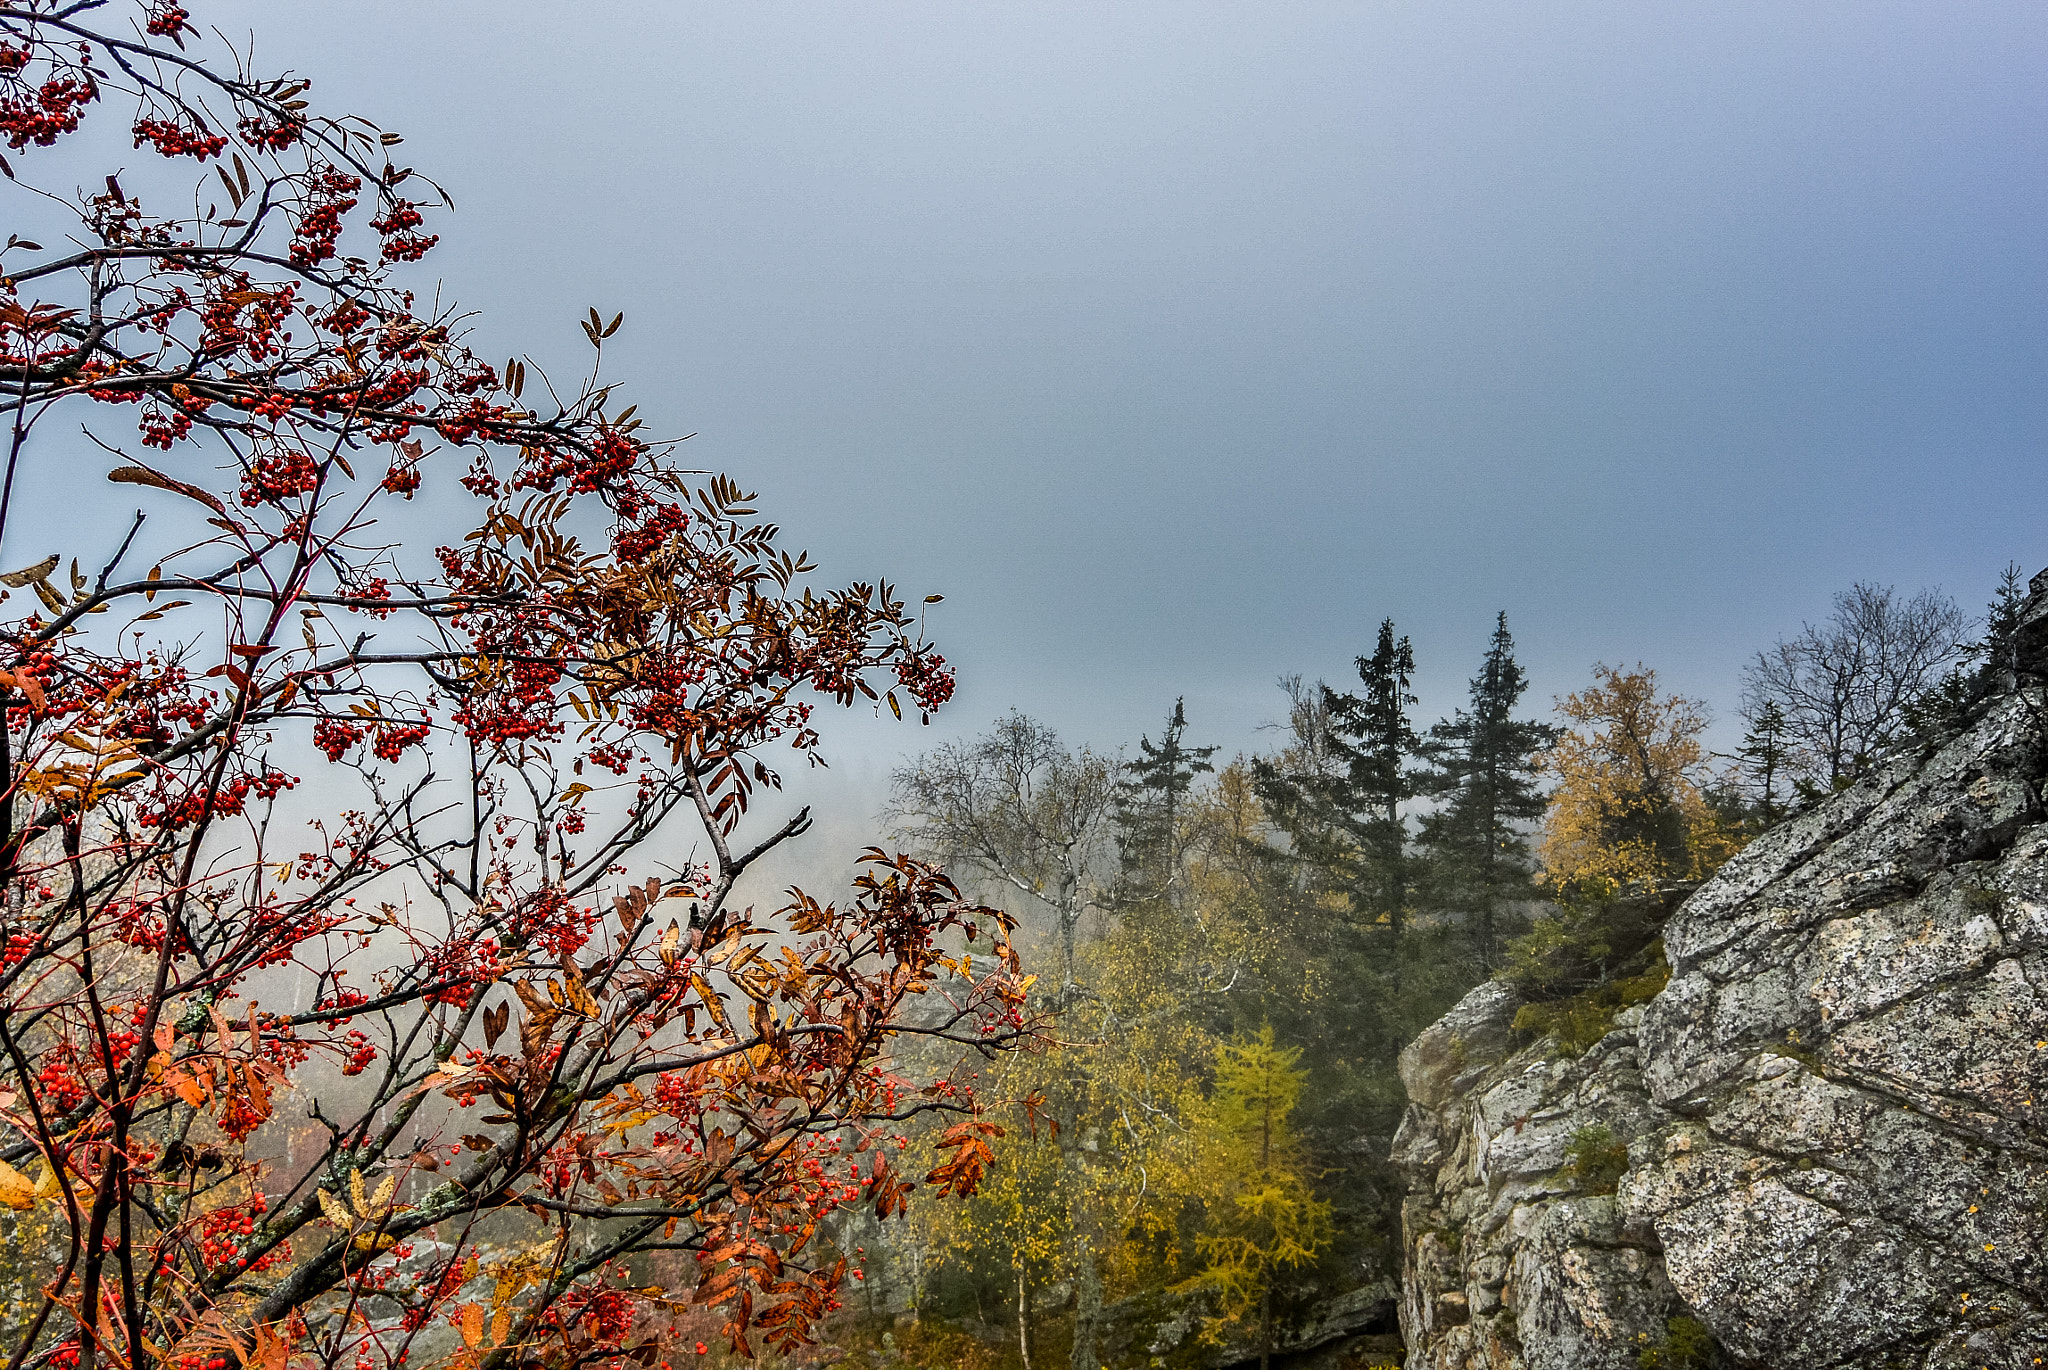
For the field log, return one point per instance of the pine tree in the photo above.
(1487, 763)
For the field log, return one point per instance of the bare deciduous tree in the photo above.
(1844, 685)
(1020, 809)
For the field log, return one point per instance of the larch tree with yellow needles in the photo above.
(1263, 1217)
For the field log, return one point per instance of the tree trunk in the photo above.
(1265, 1327)
(1069, 906)
(1023, 1320)
(1087, 1310)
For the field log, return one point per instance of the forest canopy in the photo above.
(1259, 937)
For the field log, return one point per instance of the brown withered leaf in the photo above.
(142, 475)
(14, 580)
(712, 1003)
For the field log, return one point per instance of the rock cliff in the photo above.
(1826, 1140)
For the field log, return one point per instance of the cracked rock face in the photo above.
(1508, 1263)
(1836, 1113)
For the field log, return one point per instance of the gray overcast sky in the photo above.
(1178, 343)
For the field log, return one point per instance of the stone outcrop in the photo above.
(1514, 1260)
(1835, 1115)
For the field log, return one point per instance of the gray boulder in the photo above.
(1836, 1114)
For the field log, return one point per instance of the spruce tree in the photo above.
(1764, 754)
(1486, 776)
(1988, 667)
(1381, 778)
(1151, 797)
(1344, 817)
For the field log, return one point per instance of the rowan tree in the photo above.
(407, 803)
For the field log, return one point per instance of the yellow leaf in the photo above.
(16, 1189)
(712, 1001)
(355, 1192)
(335, 1210)
(472, 1324)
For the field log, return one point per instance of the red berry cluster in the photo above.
(610, 459)
(56, 1082)
(175, 140)
(223, 1232)
(273, 480)
(345, 318)
(269, 135)
(161, 428)
(167, 20)
(50, 112)
(359, 1053)
(178, 810)
(402, 479)
(401, 244)
(653, 527)
(335, 736)
(394, 738)
(925, 676)
(319, 228)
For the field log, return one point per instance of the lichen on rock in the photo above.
(1836, 1112)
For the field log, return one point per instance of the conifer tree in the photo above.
(1988, 665)
(1151, 800)
(1380, 774)
(1487, 764)
(1264, 1218)
(1765, 757)
(1343, 817)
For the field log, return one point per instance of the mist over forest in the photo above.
(1141, 687)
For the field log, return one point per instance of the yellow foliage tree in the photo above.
(1629, 810)
(1263, 1216)
(1017, 1219)
(1097, 1191)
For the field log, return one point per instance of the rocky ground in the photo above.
(1824, 1141)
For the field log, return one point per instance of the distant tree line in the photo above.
(1235, 952)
